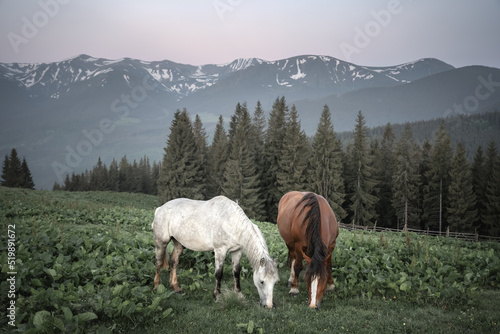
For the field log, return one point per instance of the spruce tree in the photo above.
(5, 172)
(363, 184)
(257, 142)
(27, 178)
(181, 174)
(113, 176)
(99, 177)
(462, 213)
(492, 216)
(423, 169)
(325, 174)
(123, 175)
(11, 172)
(294, 157)
(200, 140)
(145, 175)
(272, 151)
(218, 157)
(16, 173)
(384, 169)
(438, 176)
(241, 183)
(406, 180)
(479, 180)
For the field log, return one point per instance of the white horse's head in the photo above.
(265, 275)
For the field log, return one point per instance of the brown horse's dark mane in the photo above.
(316, 249)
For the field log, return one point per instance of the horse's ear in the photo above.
(262, 262)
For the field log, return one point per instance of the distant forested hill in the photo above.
(471, 130)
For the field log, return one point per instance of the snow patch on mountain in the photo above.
(299, 74)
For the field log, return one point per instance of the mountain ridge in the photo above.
(85, 107)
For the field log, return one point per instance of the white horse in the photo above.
(219, 225)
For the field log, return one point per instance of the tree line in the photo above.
(384, 181)
(123, 176)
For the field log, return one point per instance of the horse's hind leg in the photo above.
(329, 284)
(220, 255)
(236, 257)
(161, 260)
(174, 261)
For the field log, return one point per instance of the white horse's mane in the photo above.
(254, 244)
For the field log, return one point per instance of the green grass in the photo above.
(85, 263)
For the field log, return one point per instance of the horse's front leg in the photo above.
(220, 255)
(295, 269)
(174, 261)
(236, 257)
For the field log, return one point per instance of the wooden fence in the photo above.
(448, 233)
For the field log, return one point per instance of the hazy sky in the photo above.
(377, 33)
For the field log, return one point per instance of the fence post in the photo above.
(448, 231)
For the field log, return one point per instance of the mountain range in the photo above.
(62, 116)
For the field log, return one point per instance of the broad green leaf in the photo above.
(161, 289)
(68, 315)
(166, 313)
(405, 286)
(87, 316)
(51, 272)
(39, 318)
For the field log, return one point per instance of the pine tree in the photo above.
(16, 173)
(181, 174)
(257, 140)
(200, 140)
(406, 180)
(363, 185)
(325, 174)
(113, 176)
(218, 157)
(5, 172)
(438, 176)
(155, 174)
(145, 175)
(384, 170)
(491, 218)
(123, 175)
(294, 157)
(479, 180)
(99, 177)
(272, 150)
(423, 169)
(27, 178)
(462, 213)
(240, 180)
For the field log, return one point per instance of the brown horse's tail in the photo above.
(316, 249)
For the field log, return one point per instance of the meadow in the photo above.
(83, 262)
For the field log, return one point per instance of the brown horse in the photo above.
(308, 226)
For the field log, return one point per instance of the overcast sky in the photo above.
(374, 33)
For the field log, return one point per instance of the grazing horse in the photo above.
(218, 225)
(308, 226)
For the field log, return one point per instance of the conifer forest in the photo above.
(389, 177)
